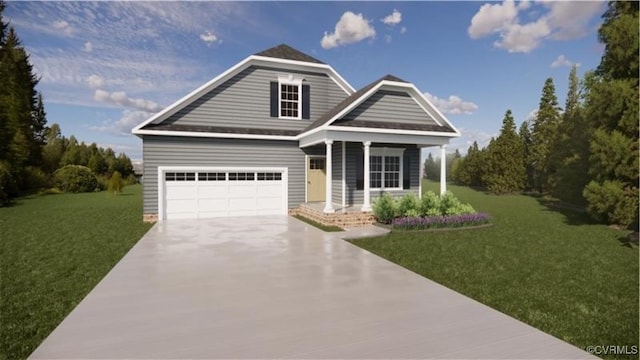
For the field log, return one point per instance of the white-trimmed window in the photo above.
(289, 97)
(385, 169)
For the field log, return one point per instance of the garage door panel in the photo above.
(215, 192)
(218, 191)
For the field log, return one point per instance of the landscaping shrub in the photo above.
(116, 183)
(430, 204)
(408, 203)
(385, 208)
(75, 178)
(436, 222)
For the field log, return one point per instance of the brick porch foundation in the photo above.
(344, 219)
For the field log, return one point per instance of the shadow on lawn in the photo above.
(573, 215)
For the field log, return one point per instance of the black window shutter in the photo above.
(305, 101)
(406, 170)
(274, 99)
(359, 170)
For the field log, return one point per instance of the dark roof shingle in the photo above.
(284, 51)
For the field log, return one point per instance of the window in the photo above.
(180, 176)
(269, 176)
(385, 169)
(289, 101)
(212, 176)
(241, 176)
(316, 164)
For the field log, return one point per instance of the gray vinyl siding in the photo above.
(244, 101)
(355, 197)
(390, 106)
(187, 151)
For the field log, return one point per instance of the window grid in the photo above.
(384, 171)
(222, 176)
(289, 100)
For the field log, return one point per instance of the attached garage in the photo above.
(207, 192)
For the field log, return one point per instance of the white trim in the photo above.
(163, 169)
(234, 70)
(424, 140)
(294, 81)
(328, 163)
(216, 135)
(391, 131)
(344, 176)
(366, 206)
(383, 152)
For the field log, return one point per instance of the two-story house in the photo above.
(282, 129)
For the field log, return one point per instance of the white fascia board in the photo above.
(420, 140)
(313, 139)
(216, 135)
(393, 131)
(192, 96)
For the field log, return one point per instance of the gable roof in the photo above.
(284, 51)
(334, 115)
(281, 55)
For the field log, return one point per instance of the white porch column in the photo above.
(366, 206)
(328, 206)
(443, 169)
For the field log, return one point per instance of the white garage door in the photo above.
(207, 193)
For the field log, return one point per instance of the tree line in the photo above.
(585, 154)
(30, 151)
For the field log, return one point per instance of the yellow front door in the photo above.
(316, 179)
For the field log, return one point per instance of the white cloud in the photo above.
(121, 98)
(403, 30)
(562, 60)
(562, 20)
(88, 47)
(124, 125)
(351, 28)
(452, 105)
(95, 81)
(393, 19)
(492, 18)
(63, 27)
(208, 37)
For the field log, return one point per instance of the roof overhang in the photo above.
(253, 60)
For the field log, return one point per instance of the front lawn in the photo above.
(54, 249)
(551, 268)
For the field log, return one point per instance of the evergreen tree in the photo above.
(525, 138)
(568, 161)
(53, 150)
(470, 170)
(505, 170)
(544, 131)
(21, 116)
(611, 110)
(431, 169)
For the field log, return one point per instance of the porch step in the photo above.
(345, 218)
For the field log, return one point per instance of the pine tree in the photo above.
(568, 161)
(525, 138)
(544, 131)
(505, 170)
(20, 113)
(470, 170)
(611, 110)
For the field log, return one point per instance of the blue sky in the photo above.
(107, 66)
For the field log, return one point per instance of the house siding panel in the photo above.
(179, 151)
(244, 101)
(355, 150)
(392, 106)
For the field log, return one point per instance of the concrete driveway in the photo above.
(274, 287)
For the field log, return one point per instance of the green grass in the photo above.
(54, 249)
(549, 267)
(325, 228)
